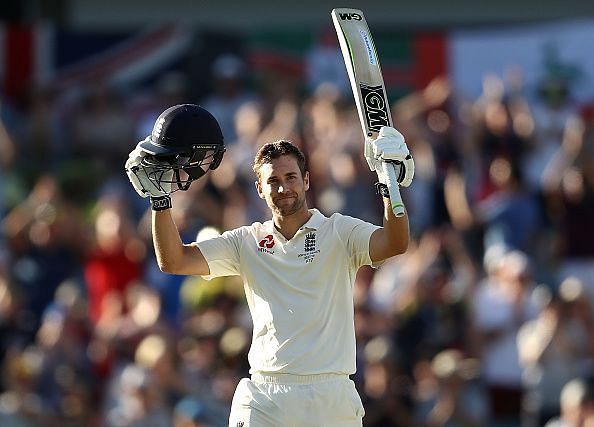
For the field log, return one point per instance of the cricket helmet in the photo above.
(187, 141)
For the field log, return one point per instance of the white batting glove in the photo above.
(390, 147)
(138, 175)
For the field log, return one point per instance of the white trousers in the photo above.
(296, 401)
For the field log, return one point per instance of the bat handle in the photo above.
(390, 170)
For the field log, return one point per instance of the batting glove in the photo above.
(390, 147)
(139, 173)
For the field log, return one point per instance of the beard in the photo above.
(286, 206)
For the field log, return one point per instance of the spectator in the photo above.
(101, 130)
(500, 308)
(439, 144)
(114, 261)
(450, 396)
(554, 348)
(568, 184)
(189, 412)
(229, 75)
(577, 405)
(510, 216)
(155, 354)
(386, 392)
(553, 113)
(432, 314)
(45, 235)
(137, 401)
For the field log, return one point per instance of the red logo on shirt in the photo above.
(267, 242)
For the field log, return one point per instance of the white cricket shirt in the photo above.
(299, 291)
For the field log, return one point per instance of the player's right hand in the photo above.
(139, 173)
(390, 147)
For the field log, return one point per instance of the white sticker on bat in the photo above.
(368, 47)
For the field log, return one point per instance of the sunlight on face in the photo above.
(282, 186)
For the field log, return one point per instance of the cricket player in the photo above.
(298, 268)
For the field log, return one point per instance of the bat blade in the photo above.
(363, 67)
(365, 75)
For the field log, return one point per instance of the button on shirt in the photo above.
(299, 291)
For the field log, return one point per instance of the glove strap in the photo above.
(160, 203)
(401, 170)
(382, 189)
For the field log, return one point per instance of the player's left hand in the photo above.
(390, 147)
(138, 175)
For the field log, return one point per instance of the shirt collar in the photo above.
(315, 222)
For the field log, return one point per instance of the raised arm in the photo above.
(392, 239)
(173, 256)
(389, 148)
(185, 143)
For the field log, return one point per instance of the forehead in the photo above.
(280, 166)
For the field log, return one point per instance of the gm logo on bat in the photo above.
(350, 16)
(375, 105)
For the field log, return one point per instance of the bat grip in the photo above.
(390, 169)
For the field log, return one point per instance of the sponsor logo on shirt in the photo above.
(266, 244)
(309, 248)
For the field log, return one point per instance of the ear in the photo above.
(306, 180)
(259, 189)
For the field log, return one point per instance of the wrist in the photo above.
(382, 189)
(160, 203)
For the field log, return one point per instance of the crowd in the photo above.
(487, 320)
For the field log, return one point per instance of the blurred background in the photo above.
(487, 320)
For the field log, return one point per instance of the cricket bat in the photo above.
(367, 82)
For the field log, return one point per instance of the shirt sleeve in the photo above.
(356, 234)
(222, 253)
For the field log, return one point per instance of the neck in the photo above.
(288, 225)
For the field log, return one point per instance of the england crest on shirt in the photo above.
(309, 248)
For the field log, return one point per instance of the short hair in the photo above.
(273, 150)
